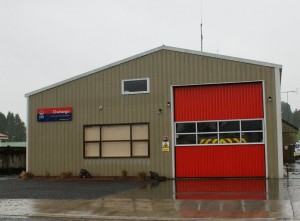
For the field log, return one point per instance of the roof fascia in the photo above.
(290, 124)
(163, 47)
(94, 71)
(230, 58)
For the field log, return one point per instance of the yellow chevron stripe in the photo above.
(237, 140)
(244, 140)
(207, 141)
(222, 141)
(228, 140)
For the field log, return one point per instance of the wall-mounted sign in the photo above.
(54, 114)
(165, 146)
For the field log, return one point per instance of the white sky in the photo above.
(43, 42)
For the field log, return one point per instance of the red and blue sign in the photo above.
(54, 114)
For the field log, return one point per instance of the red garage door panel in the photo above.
(218, 102)
(220, 161)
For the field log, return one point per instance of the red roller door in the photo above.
(219, 102)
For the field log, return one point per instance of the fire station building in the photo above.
(181, 113)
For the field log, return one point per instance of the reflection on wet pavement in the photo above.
(176, 200)
(151, 209)
(171, 200)
(221, 189)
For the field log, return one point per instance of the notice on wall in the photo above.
(54, 114)
(165, 146)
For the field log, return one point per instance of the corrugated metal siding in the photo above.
(58, 146)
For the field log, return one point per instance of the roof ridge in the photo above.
(163, 47)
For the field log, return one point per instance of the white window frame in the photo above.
(218, 132)
(136, 92)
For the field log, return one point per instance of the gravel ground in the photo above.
(14, 188)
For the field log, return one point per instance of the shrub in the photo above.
(67, 174)
(47, 174)
(142, 175)
(26, 175)
(124, 173)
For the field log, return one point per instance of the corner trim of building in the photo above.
(27, 135)
(172, 131)
(279, 122)
(265, 130)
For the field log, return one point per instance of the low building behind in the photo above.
(12, 157)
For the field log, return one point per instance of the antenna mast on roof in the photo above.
(201, 30)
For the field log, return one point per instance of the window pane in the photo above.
(207, 138)
(229, 138)
(252, 137)
(120, 132)
(207, 127)
(186, 139)
(115, 149)
(135, 85)
(92, 133)
(140, 132)
(229, 126)
(140, 149)
(251, 125)
(186, 128)
(92, 150)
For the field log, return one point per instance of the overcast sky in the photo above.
(43, 42)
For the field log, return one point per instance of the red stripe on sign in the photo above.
(57, 110)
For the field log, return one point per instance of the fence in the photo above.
(12, 160)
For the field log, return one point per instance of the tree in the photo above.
(20, 129)
(2, 123)
(291, 117)
(298, 136)
(286, 111)
(296, 118)
(11, 127)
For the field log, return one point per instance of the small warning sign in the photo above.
(165, 146)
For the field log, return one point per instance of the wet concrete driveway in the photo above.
(171, 200)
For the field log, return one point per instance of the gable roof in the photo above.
(290, 125)
(163, 47)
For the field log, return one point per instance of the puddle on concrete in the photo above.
(176, 199)
(17, 207)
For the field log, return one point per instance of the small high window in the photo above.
(136, 86)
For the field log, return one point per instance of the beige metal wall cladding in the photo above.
(57, 147)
